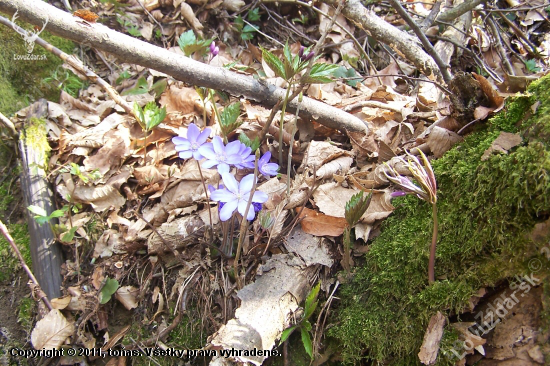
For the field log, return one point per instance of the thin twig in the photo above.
(10, 240)
(443, 68)
(500, 48)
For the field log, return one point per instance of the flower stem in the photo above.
(211, 93)
(205, 192)
(283, 110)
(431, 264)
(244, 222)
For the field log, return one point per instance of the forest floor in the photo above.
(333, 266)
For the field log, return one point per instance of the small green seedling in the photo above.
(190, 44)
(108, 289)
(42, 217)
(304, 325)
(148, 118)
(355, 208)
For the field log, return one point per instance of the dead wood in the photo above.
(401, 42)
(45, 252)
(132, 50)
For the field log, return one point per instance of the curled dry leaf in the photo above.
(331, 198)
(319, 153)
(339, 165)
(188, 14)
(504, 142)
(441, 140)
(51, 331)
(127, 295)
(61, 303)
(318, 224)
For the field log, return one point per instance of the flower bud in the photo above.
(301, 53)
(309, 56)
(214, 50)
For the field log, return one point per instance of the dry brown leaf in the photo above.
(441, 140)
(476, 342)
(179, 99)
(310, 248)
(61, 303)
(318, 224)
(188, 14)
(233, 5)
(339, 165)
(111, 155)
(331, 198)
(150, 174)
(51, 331)
(319, 153)
(110, 242)
(432, 337)
(380, 207)
(127, 295)
(490, 92)
(504, 142)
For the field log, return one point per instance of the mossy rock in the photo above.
(21, 80)
(486, 211)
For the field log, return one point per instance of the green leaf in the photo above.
(311, 301)
(286, 333)
(531, 66)
(110, 287)
(253, 15)
(153, 115)
(125, 75)
(239, 23)
(186, 39)
(253, 144)
(134, 31)
(228, 118)
(356, 207)
(274, 63)
(320, 72)
(59, 213)
(248, 32)
(159, 87)
(141, 87)
(39, 211)
(69, 235)
(139, 115)
(306, 340)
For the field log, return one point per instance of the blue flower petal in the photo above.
(231, 183)
(227, 210)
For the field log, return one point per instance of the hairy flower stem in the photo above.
(283, 110)
(431, 263)
(244, 222)
(205, 192)
(346, 260)
(211, 94)
(290, 151)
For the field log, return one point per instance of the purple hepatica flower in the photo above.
(236, 195)
(189, 146)
(220, 155)
(266, 168)
(247, 160)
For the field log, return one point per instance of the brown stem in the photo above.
(431, 264)
(10, 240)
(206, 193)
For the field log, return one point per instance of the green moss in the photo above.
(486, 208)
(9, 263)
(21, 80)
(25, 314)
(36, 135)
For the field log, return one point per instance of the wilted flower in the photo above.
(423, 174)
(236, 196)
(220, 155)
(189, 146)
(266, 168)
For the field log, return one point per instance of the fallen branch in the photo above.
(401, 42)
(134, 51)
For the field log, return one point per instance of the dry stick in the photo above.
(429, 20)
(132, 50)
(459, 10)
(9, 124)
(10, 240)
(500, 48)
(445, 90)
(423, 39)
(517, 31)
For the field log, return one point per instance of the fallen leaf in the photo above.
(441, 140)
(51, 331)
(61, 303)
(504, 142)
(318, 224)
(331, 198)
(127, 295)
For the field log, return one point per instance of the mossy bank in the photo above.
(487, 209)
